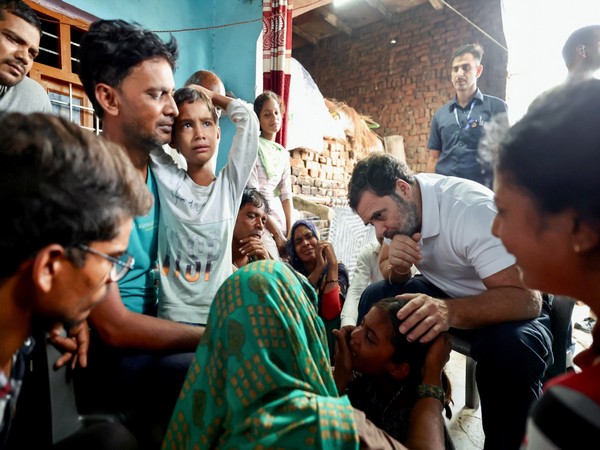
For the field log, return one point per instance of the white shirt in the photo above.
(275, 189)
(457, 244)
(27, 96)
(178, 158)
(196, 223)
(366, 272)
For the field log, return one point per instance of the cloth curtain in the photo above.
(277, 52)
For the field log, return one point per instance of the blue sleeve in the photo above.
(499, 106)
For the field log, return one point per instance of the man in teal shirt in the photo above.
(127, 72)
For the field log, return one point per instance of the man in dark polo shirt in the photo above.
(458, 125)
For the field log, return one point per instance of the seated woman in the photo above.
(261, 376)
(316, 260)
(381, 371)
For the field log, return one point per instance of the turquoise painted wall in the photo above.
(229, 51)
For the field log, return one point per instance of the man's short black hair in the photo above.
(378, 174)
(586, 36)
(253, 196)
(191, 95)
(112, 48)
(62, 185)
(22, 10)
(474, 49)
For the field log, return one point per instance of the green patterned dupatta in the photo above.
(261, 377)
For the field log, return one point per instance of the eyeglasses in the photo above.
(120, 267)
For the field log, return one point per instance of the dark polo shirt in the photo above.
(456, 131)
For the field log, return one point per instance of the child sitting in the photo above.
(382, 372)
(198, 209)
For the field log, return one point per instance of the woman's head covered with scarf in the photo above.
(261, 375)
(291, 248)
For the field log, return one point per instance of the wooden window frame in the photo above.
(50, 77)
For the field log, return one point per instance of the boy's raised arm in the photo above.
(217, 99)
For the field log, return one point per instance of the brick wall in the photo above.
(402, 85)
(323, 177)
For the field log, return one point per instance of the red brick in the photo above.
(401, 86)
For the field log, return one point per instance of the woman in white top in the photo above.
(271, 174)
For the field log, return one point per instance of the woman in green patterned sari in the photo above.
(261, 376)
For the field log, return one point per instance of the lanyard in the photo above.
(466, 127)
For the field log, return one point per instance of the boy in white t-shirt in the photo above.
(199, 209)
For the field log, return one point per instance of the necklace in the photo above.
(391, 402)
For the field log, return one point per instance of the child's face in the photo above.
(370, 343)
(196, 135)
(270, 117)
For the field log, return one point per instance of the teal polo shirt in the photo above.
(139, 288)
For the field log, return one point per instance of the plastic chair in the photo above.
(471, 394)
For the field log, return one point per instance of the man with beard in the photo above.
(65, 251)
(20, 32)
(247, 245)
(127, 73)
(468, 283)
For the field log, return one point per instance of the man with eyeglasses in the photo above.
(119, 268)
(62, 252)
(457, 126)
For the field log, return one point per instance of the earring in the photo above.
(581, 50)
(576, 248)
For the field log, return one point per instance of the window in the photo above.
(56, 67)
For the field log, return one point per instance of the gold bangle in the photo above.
(331, 281)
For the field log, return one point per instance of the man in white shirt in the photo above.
(127, 73)
(469, 283)
(365, 272)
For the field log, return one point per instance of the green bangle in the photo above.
(431, 390)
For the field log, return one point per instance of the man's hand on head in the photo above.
(423, 317)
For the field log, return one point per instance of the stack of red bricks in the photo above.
(323, 177)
